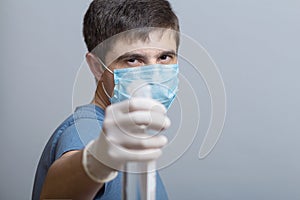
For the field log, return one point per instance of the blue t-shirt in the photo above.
(74, 133)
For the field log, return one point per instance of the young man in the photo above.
(84, 155)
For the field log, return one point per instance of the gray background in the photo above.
(256, 47)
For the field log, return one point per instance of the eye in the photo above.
(166, 58)
(163, 57)
(133, 62)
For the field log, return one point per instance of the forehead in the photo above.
(157, 41)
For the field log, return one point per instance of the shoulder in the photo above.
(75, 132)
(78, 130)
(71, 135)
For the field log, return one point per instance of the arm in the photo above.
(80, 174)
(66, 179)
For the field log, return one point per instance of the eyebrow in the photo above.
(143, 56)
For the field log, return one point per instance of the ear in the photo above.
(95, 65)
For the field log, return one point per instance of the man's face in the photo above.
(161, 48)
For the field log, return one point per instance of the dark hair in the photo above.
(106, 18)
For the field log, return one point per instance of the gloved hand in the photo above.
(124, 137)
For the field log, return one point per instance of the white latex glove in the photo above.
(124, 137)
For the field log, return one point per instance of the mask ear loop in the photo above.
(106, 93)
(104, 65)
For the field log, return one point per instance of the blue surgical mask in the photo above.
(159, 82)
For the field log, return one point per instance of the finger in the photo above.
(139, 103)
(152, 120)
(116, 109)
(134, 104)
(147, 142)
